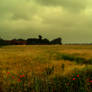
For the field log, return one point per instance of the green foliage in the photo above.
(60, 84)
(89, 61)
(2, 43)
(72, 58)
(68, 57)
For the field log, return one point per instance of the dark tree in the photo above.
(20, 40)
(35, 41)
(56, 41)
(40, 37)
(2, 42)
(46, 41)
(32, 41)
(13, 42)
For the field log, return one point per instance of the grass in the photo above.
(78, 81)
(46, 68)
(49, 70)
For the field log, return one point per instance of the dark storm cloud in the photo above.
(73, 5)
(70, 19)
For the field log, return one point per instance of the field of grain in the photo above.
(46, 61)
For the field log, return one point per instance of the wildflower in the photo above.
(8, 72)
(19, 80)
(13, 77)
(77, 75)
(23, 75)
(73, 78)
(91, 81)
(20, 76)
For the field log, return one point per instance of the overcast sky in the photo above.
(69, 19)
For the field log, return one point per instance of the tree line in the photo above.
(31, 41)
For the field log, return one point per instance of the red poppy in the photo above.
(77, 75)
(20, 76)
(91, 81)
(8, 72)
(73, 78)
(13, 77)
(23, 75)
(19, 80)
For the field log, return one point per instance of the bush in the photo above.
(89, 61)
(72, 58)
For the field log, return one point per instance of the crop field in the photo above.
(46, 68)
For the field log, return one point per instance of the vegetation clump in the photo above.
(78, 81)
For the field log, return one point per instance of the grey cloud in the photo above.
(18, 9)
(72, 5)
(50, 18)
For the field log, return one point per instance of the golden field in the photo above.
(30, 68)
(35, 58)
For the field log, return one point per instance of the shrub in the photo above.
(71, 58)
(89, 61)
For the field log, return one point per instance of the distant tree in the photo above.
(46, 41)
(41, 41)
(2, 42)
(13, 42)
(13, 39)
(56, 41)
(40, 37)
(32, 41)
(20, 40)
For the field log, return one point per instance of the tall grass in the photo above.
(49, 70)
(41, 78)
(79, 81)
